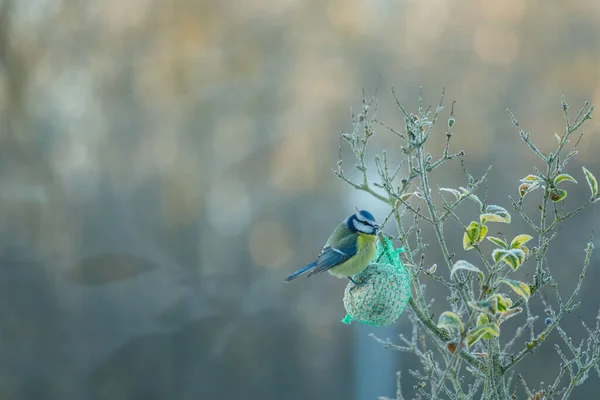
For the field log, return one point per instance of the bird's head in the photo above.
(363, 222)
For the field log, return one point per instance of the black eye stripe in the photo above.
(362, 227)
(361, 218)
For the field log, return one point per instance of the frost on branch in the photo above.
(467, 348)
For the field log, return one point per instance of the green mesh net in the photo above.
(383, 291)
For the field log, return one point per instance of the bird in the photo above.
(348, 250)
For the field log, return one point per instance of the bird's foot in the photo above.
(356, 284)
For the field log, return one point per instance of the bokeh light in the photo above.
(165, 165)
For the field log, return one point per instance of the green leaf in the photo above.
(487, 217)
(450, 322)
(495, 209)
(451, 122)
(478, 332)
(474, 234)
(519, 241)
(564, 177)
(488, 306)
(525, 188)
(406, 196)
(512, 257)
(467, 243)
(591, 181)
(499, 254)
(532, 179)
(482, 233)
(462, 264)
(455, 192)
(471, 196)
(495, 214)
(483, 319)
(499, 302)
(520, 288)
(498, 242)
(557, 195)
(520, 254)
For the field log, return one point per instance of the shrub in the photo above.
(465, 352)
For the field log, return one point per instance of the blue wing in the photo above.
(330, 257)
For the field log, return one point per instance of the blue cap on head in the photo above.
(367, 215)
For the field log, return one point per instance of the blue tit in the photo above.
(348, 250)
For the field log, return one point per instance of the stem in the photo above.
(564, 310)
(495, 378)
(443, 336)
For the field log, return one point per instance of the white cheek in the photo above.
(360, 217)
(363, 227)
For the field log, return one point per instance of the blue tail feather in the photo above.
(300, 272)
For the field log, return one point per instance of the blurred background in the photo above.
(165, 164)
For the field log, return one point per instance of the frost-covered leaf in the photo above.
(512, 257)
(450, 322)
(406, 196)
(487, 306)
(465, 265)
(495, 214)
(525, 188)
(557, 195)
(467, 243)
(520, 288)
(471, 196)
(479, 331)
(482, 233)
(451, 122)
(532, 179)
(519, 241)
(499, 254)
(591, 180)
(495, 209)
(455, 192)
(483, 319)
(499, 302)
(474, 234)
(520, 254)
(564, 177)
(497, 241)
(487, 217)
(451, 346)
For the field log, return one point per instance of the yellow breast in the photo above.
(365, 250)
